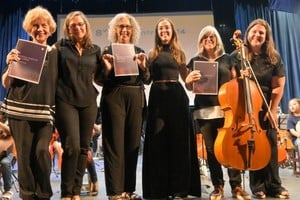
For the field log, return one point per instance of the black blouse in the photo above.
(224, 75)
(76, 73)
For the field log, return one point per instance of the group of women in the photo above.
(66, 98)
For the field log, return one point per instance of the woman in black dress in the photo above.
(170, 147)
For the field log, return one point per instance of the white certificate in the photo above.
(124, 63)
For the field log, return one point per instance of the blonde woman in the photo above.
(30, 111)
(76, 106)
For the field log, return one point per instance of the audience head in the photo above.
(294, 106)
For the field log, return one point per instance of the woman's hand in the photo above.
(108, 61)
(193, 76)
(141, 59)
(245, 73)
(12, 56)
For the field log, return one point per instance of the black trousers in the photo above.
(34, 163)
(122, 115)
(75, 125)
(209, 130)
(267, 179)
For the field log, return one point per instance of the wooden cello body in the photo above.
(239, 131)
(241, 142)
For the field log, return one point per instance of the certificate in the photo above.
(124, 63)
(208, 83)
(32, 57)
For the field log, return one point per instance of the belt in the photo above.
(165, 81)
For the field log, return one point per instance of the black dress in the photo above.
(169, 160)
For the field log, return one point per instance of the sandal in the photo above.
(259, 195)
(284, 194)
(7, 195)
(131, 196)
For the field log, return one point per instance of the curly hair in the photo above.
(38, 13)
(87, 40)
(268, 47)
(175, 46)
(112, 27)
(207, 31)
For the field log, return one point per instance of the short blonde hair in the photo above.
(112, 26)
(38, 13)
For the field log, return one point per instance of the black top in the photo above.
(263, 69)
(111, 80)
(34, 102)
(76, 73)
(164, 67)
(224, 75)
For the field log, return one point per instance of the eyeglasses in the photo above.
(80, 24)
(122, 26)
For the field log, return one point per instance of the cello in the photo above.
(241, 142)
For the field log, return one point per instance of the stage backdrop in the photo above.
(188, 25)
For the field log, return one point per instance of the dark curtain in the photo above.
(11, 29)
(286, 31)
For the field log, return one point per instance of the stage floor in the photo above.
(289, 180)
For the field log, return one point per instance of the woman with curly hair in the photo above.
(122, 107)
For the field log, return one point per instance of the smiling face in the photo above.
(209, 42)
(40, 31)
(257, 37)
(77, 28)
(124, 31)
(164, 31)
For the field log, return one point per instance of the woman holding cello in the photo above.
(269, 71)
(208, 113)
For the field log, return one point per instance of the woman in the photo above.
(30, 111)
(170, 145)
(270, 73)
(75, 100)
(208, 113)
(122, 105)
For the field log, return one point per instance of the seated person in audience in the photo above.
(55, 147)
(93, 179)
(7, 157)
(293, 123)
